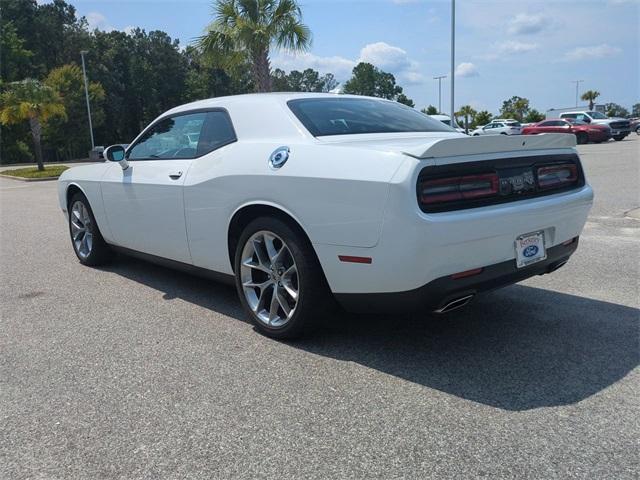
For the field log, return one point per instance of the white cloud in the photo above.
(508, 47)
(129, 29)
(384, 56)
(467, 69)
(96, 20)
(593, 52)
(527, 24)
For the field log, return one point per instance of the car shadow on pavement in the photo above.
(517, 348)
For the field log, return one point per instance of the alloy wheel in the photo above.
(269, 277)
(81, 229)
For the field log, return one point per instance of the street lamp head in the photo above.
(84, 52)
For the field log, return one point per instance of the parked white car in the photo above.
(499, 127)
(297, 197)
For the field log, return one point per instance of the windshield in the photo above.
(597, 115)
(350, 116)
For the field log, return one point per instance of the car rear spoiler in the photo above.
(448, 147)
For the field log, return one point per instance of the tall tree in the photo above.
(30, 101)
(430, 110)
(534, 116)
(250, 28)
(615, 110)
(468, 113)
(590, 96)
(308, 80)
(516, 107)
(206, 79)
(635, 110)
(69, 136)
(373, 82)
(482, 118)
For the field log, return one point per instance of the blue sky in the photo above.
(532, 49)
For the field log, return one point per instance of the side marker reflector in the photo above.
(467, 273)
(352, 259)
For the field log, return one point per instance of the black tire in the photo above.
(503, 133)
(100, 253)
(638, 130)
(314, 299)
(476, 134)
(582, 138)
(618, 138)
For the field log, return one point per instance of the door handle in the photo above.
(175, 176)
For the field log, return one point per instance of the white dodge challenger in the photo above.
(300, 197)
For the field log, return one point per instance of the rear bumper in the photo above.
(438, 293)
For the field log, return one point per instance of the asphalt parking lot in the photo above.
(135, 371)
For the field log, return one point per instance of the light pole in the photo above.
(453, 58)
(440, 91)
(86, 93)
(577, 82)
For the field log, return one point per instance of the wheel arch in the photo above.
(243, 215)
(71, 190)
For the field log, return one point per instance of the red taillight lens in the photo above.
(557, 176)
(452, 189)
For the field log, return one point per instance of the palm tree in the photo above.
(467, 112)
(590, 96)
(249, 28)
(29, 100)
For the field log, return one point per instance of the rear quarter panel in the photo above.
(336, 194)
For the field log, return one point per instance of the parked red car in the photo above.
(584, 132)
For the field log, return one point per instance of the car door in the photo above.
(486, 130)
(144, 204)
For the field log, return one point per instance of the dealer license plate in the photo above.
(530, 249)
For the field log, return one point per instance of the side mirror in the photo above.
(116, 153)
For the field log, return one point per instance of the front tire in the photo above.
(279, 279)
(618, 138)
(87, 242)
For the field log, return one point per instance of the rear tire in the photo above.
(582, 138)
(86, 239)
(279, 279)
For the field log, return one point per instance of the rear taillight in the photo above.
(557, 176)
(453, 189)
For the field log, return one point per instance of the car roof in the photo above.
(257, 99)
(249, 111)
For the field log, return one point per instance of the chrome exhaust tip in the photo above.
(456, 303)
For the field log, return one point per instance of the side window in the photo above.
(217, 132)
(184, 136)
(546, 124)
(173, 137)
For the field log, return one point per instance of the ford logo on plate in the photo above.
(530, 251)
(279, 157)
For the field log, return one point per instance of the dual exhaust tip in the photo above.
(455, 304)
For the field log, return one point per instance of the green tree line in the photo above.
(135, 76)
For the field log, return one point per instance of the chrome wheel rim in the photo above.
(81, 233)
(269, 277)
